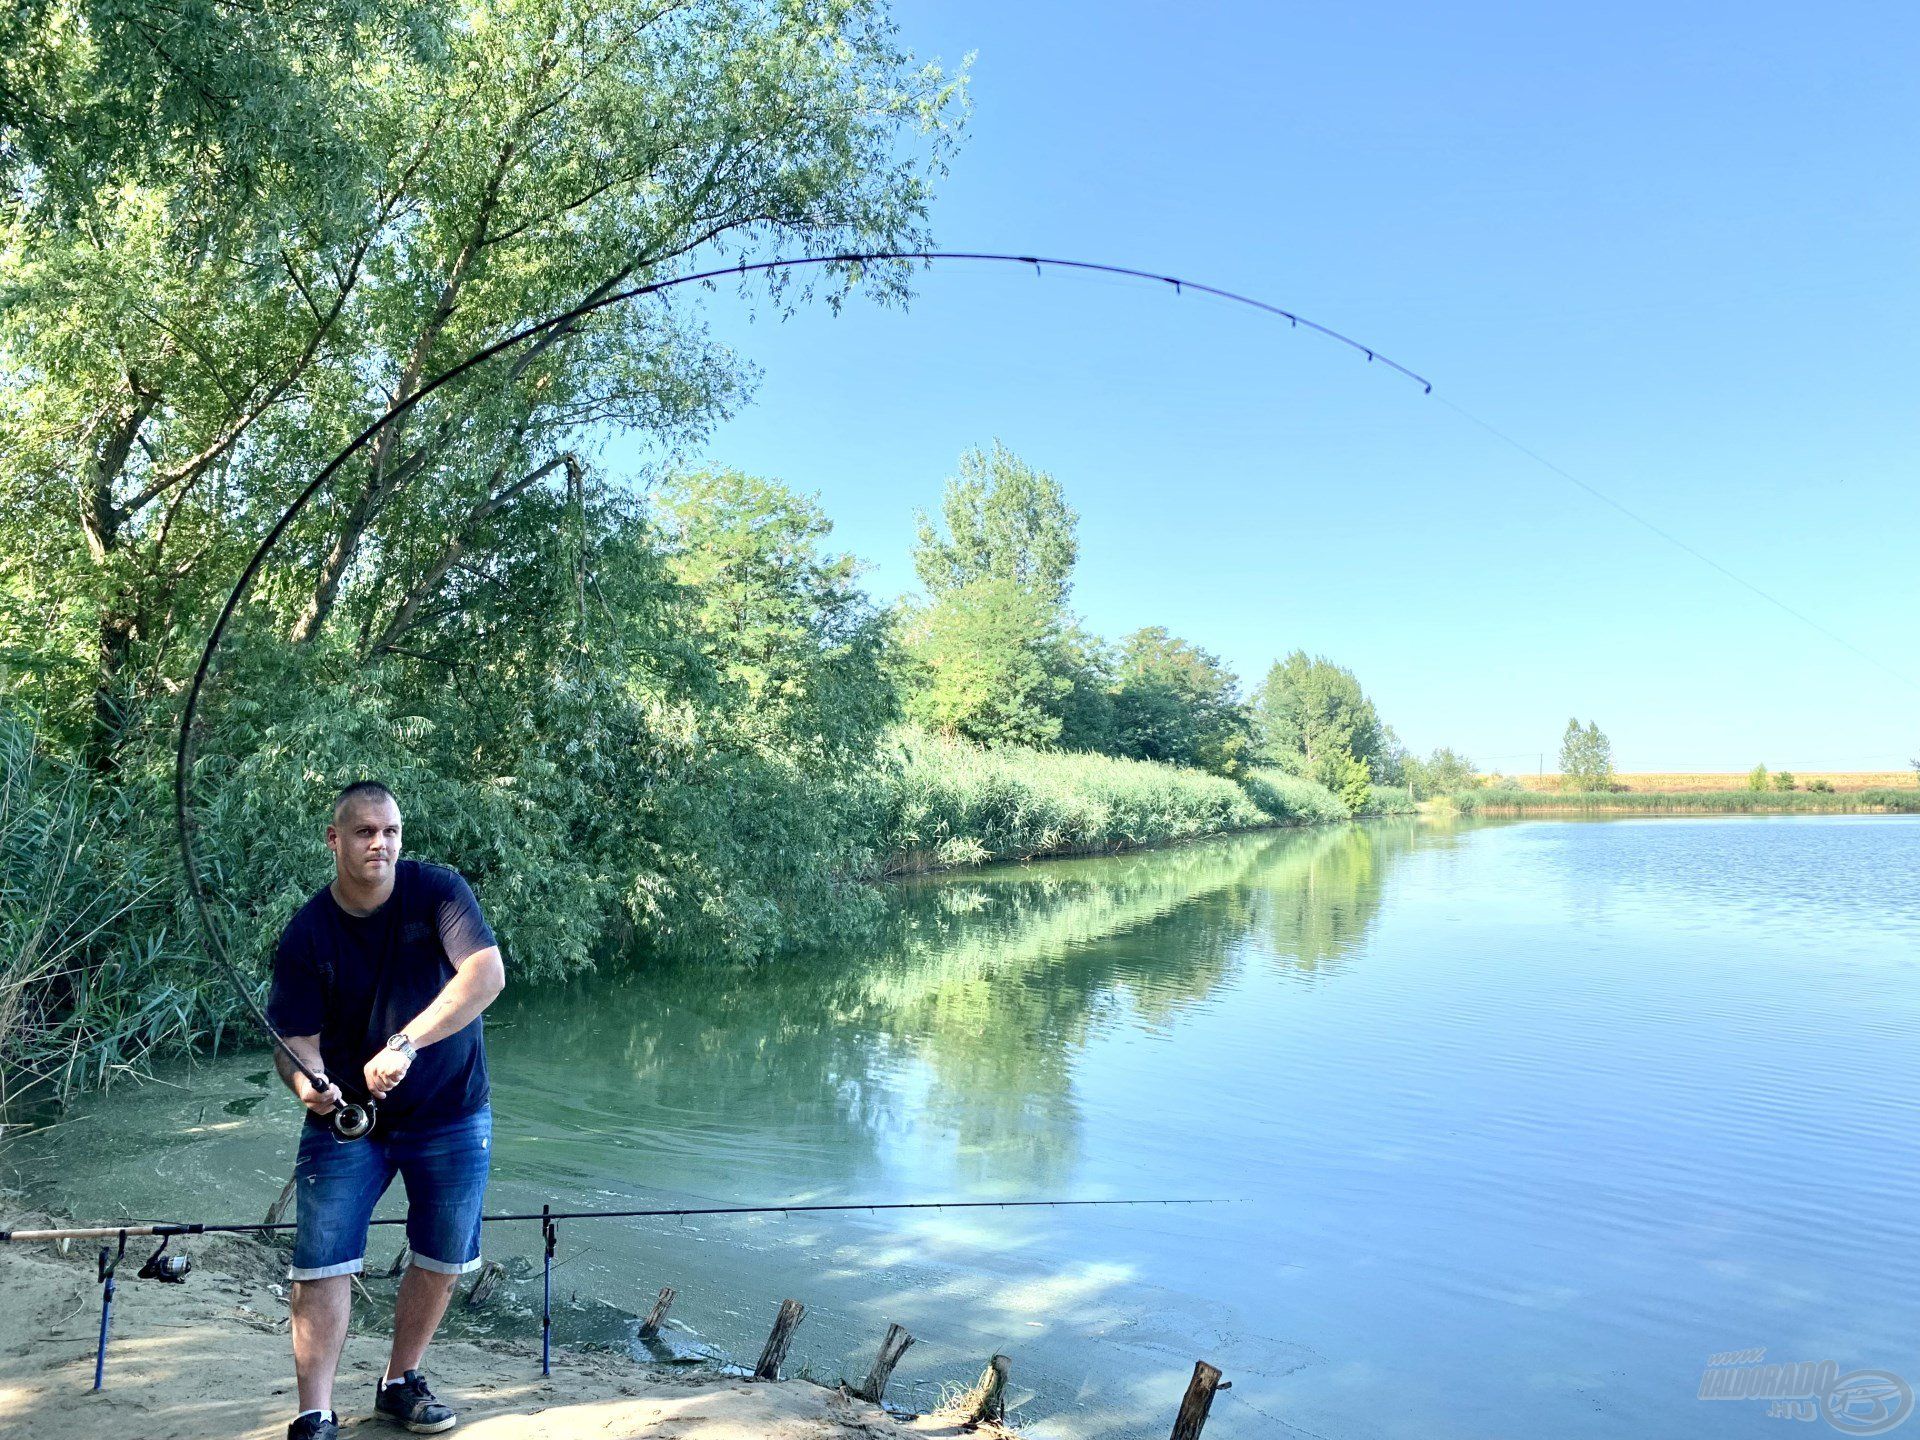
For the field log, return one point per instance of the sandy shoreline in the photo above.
(210, 1358)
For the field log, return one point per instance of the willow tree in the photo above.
(234, 235)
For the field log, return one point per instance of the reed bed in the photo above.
(1676, 782)
(95, 976)
(1292, 799)
(1703, 802)
(953, 804)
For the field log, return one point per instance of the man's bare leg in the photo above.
(416, 1315)
(319, 1333)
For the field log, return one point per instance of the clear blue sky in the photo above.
(1670, 247)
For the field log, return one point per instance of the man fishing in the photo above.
(382, 976)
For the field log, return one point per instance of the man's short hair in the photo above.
(361, 790)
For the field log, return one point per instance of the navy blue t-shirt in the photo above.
(353, 980)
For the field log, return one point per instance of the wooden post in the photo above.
(650, 1326)
(891, 1349)
(991, 1393)
(1198, 1400)
(484, 1284)
(791, 1313)
(278, 1210)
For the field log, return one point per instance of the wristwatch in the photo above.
(399, 1041)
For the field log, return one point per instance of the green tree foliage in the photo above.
(1586, 757)
(1001, 520)
(1175, 702)
(1444, 772)
(993, 655)
(234, 235)
(983, 664)
(1312, 718)
(785, 623)
(217, 266)
(1391, 765)
(1349, 778)
(1757, 778)
(1086, 664)
(1783, 780)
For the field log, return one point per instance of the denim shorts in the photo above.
(339, 1182)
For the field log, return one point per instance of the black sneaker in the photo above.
(314, 1427)
(408, 1401)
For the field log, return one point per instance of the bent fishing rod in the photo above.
(355, 1116)
(549, 1216)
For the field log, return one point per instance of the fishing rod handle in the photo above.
(99, 1232)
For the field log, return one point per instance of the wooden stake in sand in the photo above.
(891, 1349)
(1198, 1400)
(771, 1358)
(484, 1284)
(657, 1316)
(277, 1211)
(989, 1398)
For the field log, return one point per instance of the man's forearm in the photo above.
(306, 1048)
(474, 986)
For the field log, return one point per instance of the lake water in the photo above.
(1525, 1122)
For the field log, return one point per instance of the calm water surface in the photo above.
(1528, 1121)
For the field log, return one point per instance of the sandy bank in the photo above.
(210, 1359)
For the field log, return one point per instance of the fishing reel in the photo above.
(352, 1122)
(347, 1120)
(167, 1269)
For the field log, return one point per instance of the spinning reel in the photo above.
(167, 1269)
(352, 1122)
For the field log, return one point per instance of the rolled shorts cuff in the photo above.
(444, 1267)
(326, 1272)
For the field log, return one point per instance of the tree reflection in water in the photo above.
(957, 1029)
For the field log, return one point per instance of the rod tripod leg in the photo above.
(549, 1233)
(108, 1263)
(106, 1316)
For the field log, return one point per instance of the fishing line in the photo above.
(355, 1118)
(1678, 543)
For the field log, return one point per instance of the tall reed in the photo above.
(95, 976)
(951, 803)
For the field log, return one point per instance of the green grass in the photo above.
(1704, 802)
